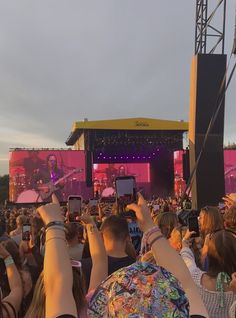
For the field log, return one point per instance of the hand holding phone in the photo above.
(193, 226)
(125, 191)
(74, 207)
(26, 231)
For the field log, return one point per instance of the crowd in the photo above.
(110, 264)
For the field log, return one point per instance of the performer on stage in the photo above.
(44, 179)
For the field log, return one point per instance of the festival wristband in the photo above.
(57, 223)
(8, 261)
(56, 227)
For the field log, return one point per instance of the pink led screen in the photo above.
(179, 183)
(229, 167)
(230, 170)
(35, 174)
(104, 176)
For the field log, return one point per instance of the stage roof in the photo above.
(143, 124)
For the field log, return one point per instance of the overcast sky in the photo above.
(63, 61)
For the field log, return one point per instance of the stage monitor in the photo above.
(104, 175)
(35, 174)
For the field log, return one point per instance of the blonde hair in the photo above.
(37, 306)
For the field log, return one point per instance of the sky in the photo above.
(63, 61)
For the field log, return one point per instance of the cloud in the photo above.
(62, 62)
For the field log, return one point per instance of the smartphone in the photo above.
(193, 225)
(125, 190)
(26, 230)
(74, 207)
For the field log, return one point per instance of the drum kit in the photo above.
(21, 189)
(102, 189)
(19, 185)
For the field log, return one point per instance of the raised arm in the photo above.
(98, 253)
(58, 277)
(16, 293)
(168, 258)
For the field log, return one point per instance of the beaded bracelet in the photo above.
(146, 236)
(8, 261)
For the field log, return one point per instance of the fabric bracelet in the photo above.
(57, 223)
(54, 238)
(144, 243)
(155, 239)
(8, 261)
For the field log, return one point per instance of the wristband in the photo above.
(8, 261)
(55, 227)
(145, 244)
(57, 223)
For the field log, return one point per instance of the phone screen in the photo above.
(193, 225)
(74, 207)
(26, 230)
(126, 190)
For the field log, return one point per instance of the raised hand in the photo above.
(142, 213)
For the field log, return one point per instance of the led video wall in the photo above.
(36, 174)
(229, 168)
(104, 175)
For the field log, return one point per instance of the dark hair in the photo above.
(166, 222)
(71, 231)
(116, 227)
(51, 155)
(2, 225)
(230, 218)
(222, 253)
(213, 220)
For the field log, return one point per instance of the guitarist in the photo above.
(45, 176)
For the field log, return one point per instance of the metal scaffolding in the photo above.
(209, 38)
